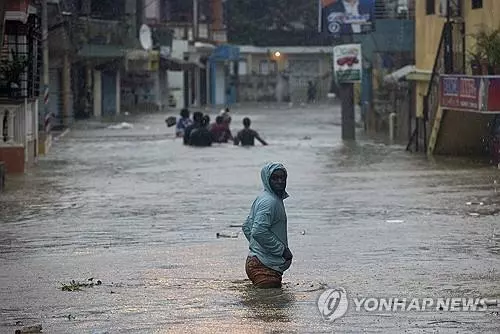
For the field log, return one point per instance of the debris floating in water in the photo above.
(29, 329)
(123, 125)
(223, 235)
(474, 203)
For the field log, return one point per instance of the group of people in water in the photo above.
(198, 131)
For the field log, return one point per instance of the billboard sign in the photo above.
(346, 17)
(347, 63)
(460, 92)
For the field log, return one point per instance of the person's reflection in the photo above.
(269, 305)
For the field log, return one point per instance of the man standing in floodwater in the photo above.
(266, 230)
(247, 136)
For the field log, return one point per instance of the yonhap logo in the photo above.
(333, 304)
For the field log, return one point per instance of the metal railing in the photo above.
(395, 9)
(21, 60)
(103, 32)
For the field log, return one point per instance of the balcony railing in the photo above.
(104, 32)
(395, 9)
(183, 30)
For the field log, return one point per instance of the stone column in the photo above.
(118, 92)
(66, 90)
(97, 94)
(10, 126)
(2, 113)
(197, 86)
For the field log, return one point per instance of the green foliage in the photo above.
(487, 47)
(11, 70)
(273, 22)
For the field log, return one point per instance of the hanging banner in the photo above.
(470, 93)
(460, 92)
(347, 63)
(346, 17)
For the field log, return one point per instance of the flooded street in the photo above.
(139, 211)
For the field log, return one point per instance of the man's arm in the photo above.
(262, 141)
(247, 228)
(261, 230)
(236, 139)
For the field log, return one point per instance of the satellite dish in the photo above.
(145, 37)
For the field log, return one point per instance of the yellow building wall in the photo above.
(428, 29)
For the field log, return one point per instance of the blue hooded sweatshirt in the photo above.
(266, 225)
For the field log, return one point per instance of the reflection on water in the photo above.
(269, 305)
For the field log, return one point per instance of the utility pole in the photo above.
(346, 92)
(45, 52)
(195, 20)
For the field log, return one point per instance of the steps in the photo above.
(435, 131)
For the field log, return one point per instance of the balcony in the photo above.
(104, 39)
(104, 32)
(206, 33)
(395, 9)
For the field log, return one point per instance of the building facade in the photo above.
(435, 130)
(283, 73)
(20, 69)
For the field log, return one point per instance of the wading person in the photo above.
(197, 119)
(266, 230)
(247, 136)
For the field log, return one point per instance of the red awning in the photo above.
(17, 10)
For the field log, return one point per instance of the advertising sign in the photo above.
(346, 17)
(493, 94)
(470, 93)
(347, 63)
(460, 92)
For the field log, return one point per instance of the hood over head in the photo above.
(265, 175)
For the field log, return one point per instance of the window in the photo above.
(477, 4)
(267, 67)
(430, 7)
(455, 8)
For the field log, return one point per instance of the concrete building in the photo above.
(20, 69)
(203, 29)
(387, 49)
(282, 73)
(448, 131)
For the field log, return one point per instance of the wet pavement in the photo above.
(139, 211)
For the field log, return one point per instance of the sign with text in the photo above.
(460, 92)
(346, 17)
(470, 93)
(347, 63)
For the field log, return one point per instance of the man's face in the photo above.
(278, 181)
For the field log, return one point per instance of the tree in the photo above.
(274, 22)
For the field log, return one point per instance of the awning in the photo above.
(399, 74)
(420, 75)
(177, 64)
(408, 72)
